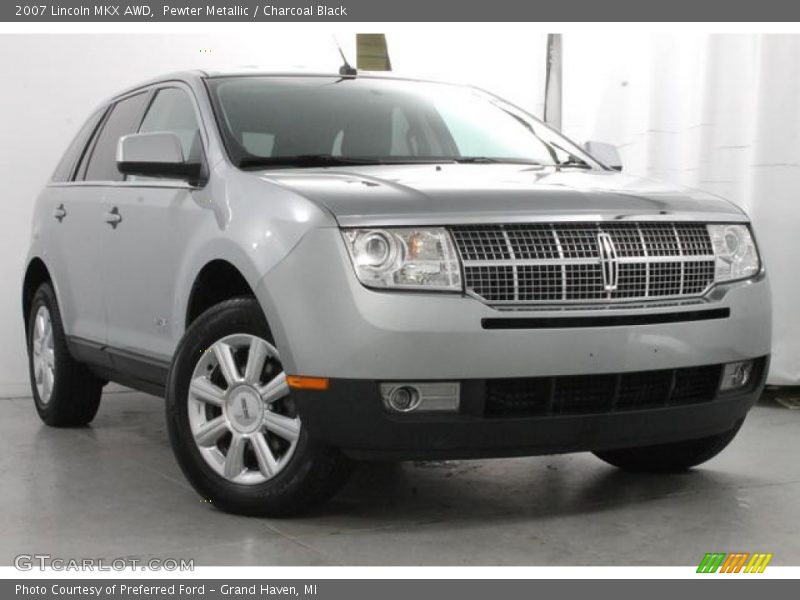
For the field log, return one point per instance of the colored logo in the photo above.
(736, 562)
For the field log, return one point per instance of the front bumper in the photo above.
(352, 416)
(326, 324)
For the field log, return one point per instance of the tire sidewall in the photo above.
(45, 296)
(242, 316)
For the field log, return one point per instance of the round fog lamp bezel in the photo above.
(414, 398)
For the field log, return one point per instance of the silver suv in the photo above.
(313, 269)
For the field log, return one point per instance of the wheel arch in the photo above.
(237, 283)
(216, 281)
(244, 258)
(36, 273)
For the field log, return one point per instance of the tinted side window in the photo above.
(123, 120)
(172, 110)
(67, 163)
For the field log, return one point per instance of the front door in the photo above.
(151, 223)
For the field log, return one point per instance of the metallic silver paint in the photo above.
(280, 230)
(451, 194)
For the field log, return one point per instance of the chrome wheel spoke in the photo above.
(209, 434)
(40, 325)
(234, 459)
(202, 389)
(284, 427)
(275, 389)
(256, 358)
(48, 332)
(47, 381)
(267, 463)
(43, 354)
(49, 357)
(226, 362)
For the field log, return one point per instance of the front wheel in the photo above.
(233, 425)
(666, 458)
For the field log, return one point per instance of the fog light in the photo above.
(421, 397)
(736, 375)
(404, 398)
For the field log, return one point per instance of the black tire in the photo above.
(75, 395)
(312, 475)
(670, 458)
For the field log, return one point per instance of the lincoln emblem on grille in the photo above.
(608, 261)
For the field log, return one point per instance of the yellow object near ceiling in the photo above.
(372, 53)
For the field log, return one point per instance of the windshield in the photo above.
(310, 121)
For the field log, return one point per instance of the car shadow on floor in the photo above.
(529, 489)
(394, 494)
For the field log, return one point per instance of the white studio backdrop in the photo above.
(716, 112)
(50, 83)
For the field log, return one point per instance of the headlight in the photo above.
(404, 258)
(735, 251)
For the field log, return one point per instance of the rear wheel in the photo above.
(666, 458)
(65, 392)
(232, 422)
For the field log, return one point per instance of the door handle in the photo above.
(113, 217)
(59, 213)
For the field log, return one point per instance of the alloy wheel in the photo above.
(241, 416)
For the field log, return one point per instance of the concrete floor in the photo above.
(113, 490)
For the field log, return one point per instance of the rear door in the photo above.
(79, 236)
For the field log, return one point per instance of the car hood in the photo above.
(463, 194)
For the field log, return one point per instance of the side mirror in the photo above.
(157, 154)
(605, 153)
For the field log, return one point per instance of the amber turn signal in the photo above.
(298, 382)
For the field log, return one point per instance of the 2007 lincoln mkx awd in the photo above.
(317, 269)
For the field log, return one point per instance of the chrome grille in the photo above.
(564, 263)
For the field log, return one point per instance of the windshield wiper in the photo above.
(306, 160)
(574, 162)
(330, 160)
(488, 160)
